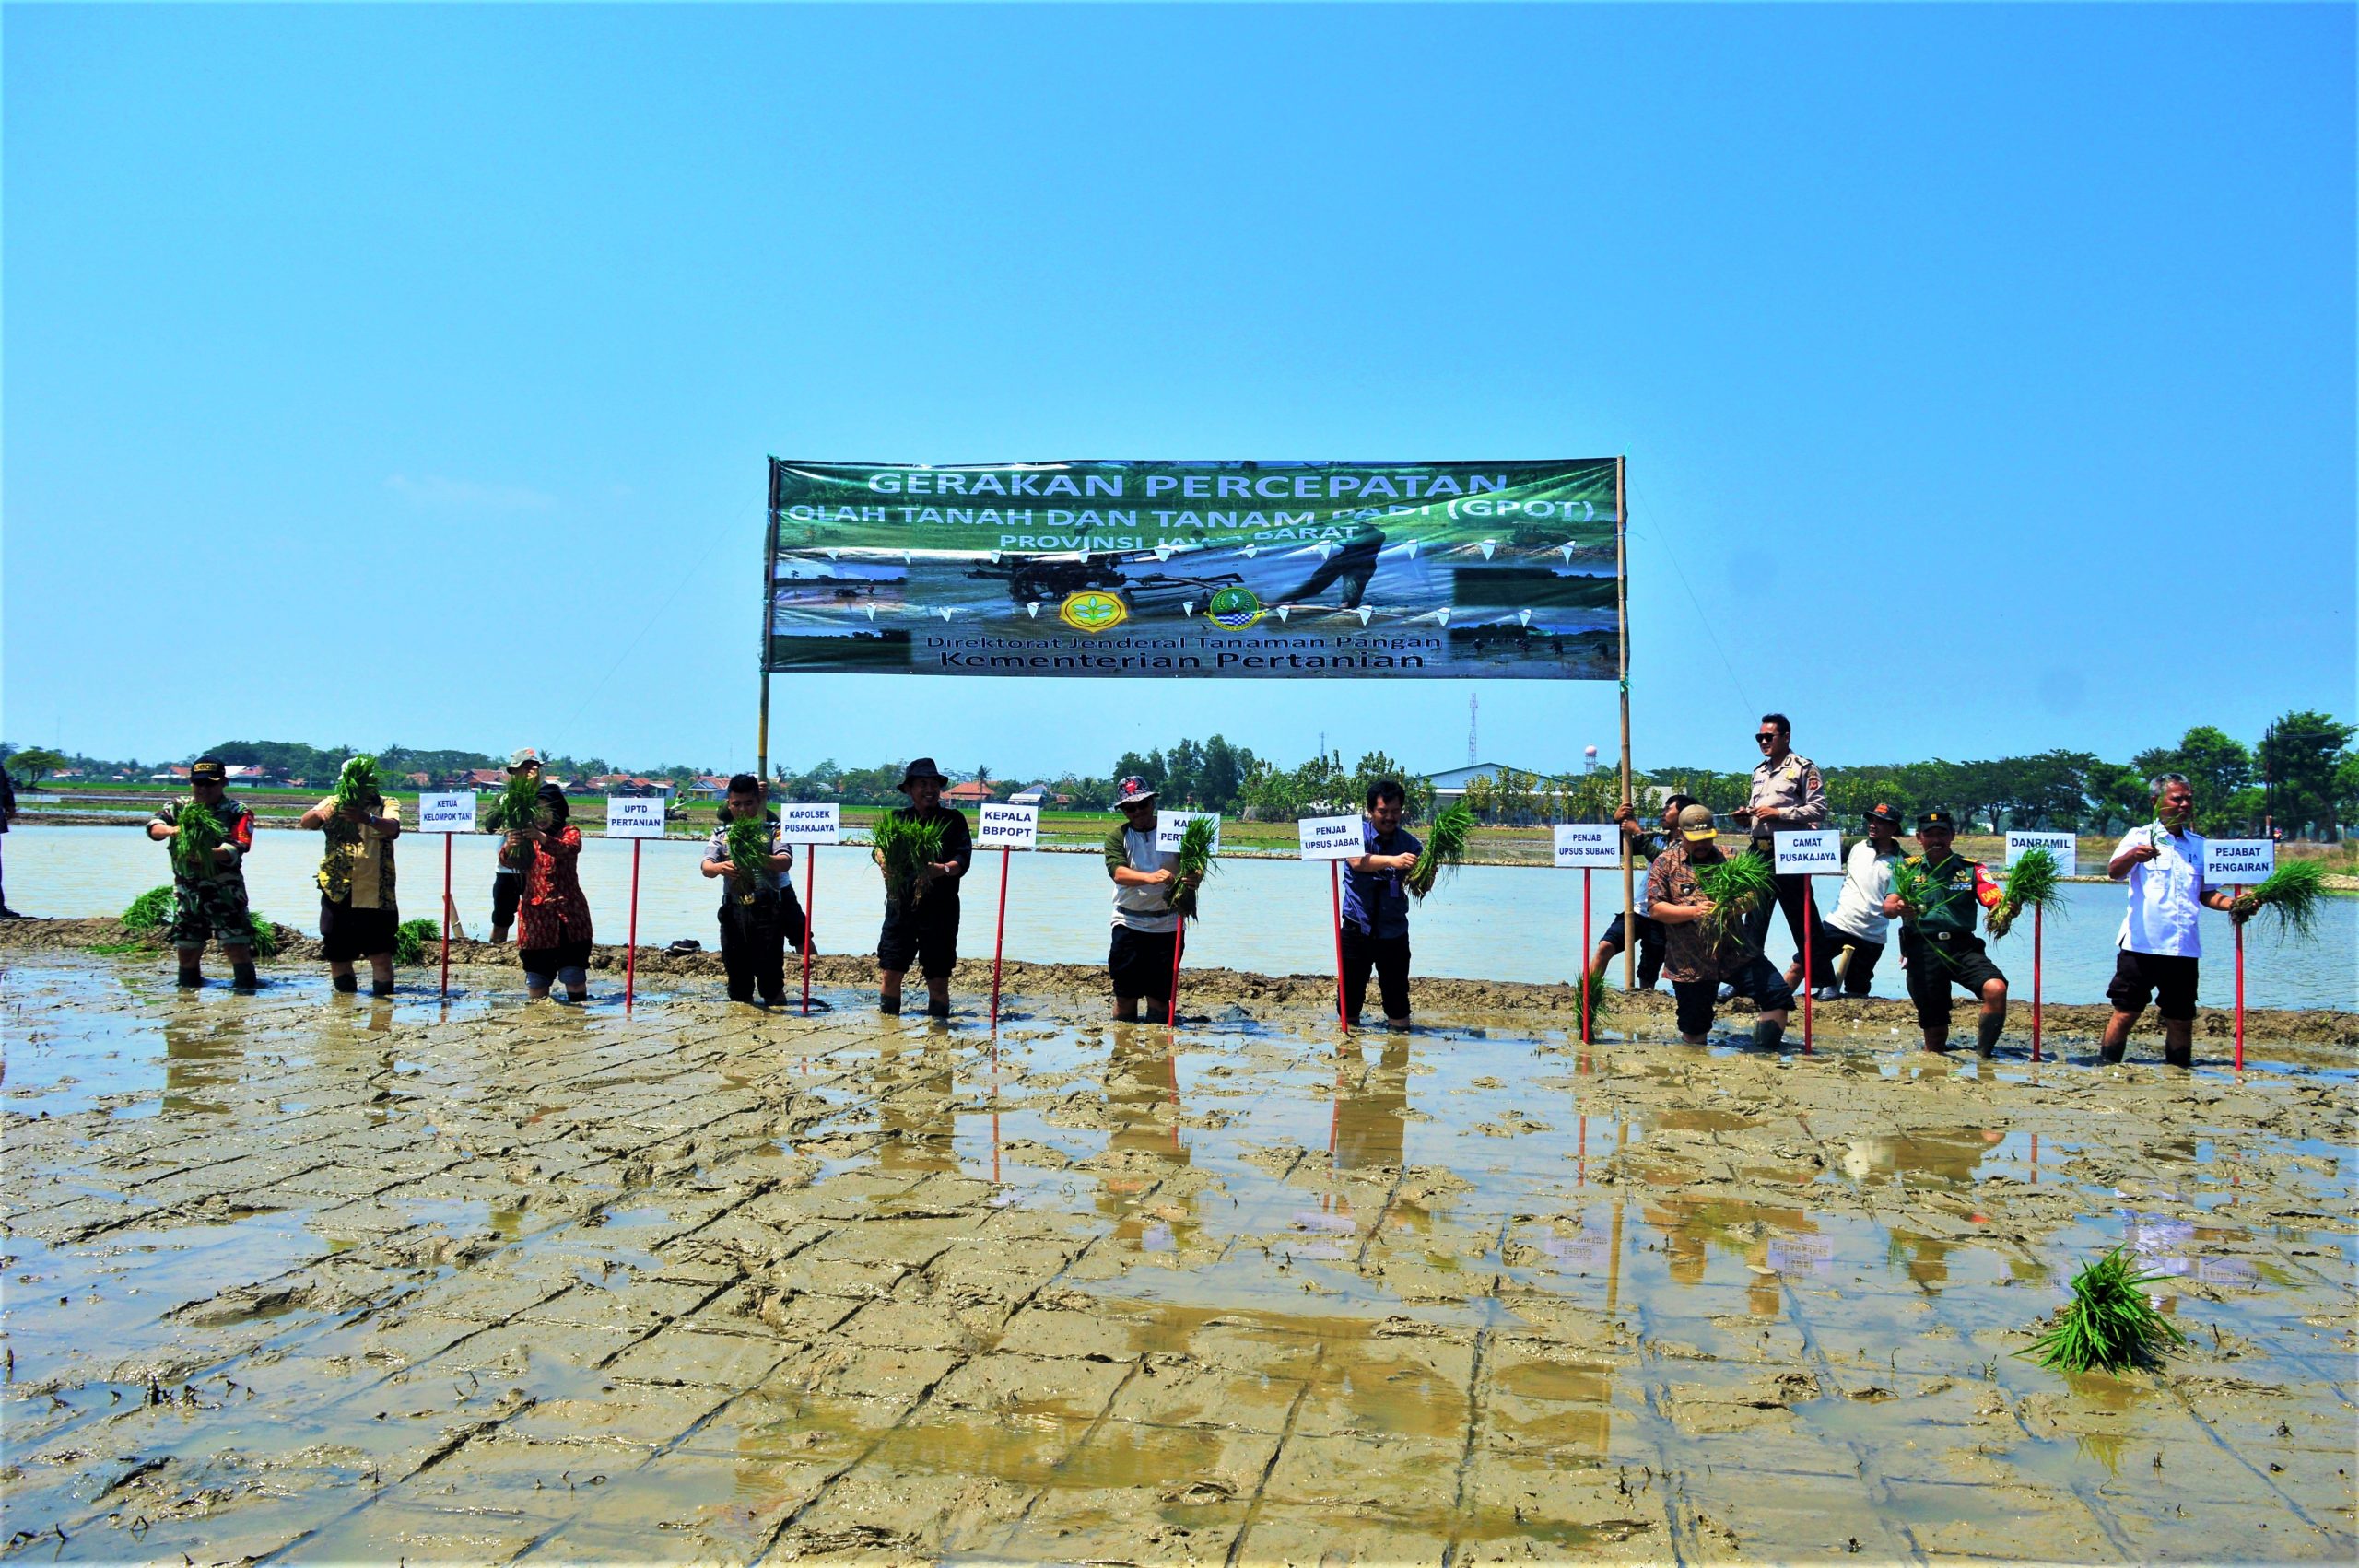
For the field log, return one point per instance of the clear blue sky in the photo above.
(407, 374)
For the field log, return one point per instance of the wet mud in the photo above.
(302, 1278)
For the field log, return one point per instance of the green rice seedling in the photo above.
(200, 834)
(356, 783)
(1601, 1000)
(1445, 849)
(1912, 886)
(1197, 837)
(410, 939)
(517, 807)
(748, 842)
(150, 909)
(2108, 1324)
(265, 935)
(907, 847)
(1736, 884)
(2034, 881)
(2292, 892)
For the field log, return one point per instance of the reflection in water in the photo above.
(1947, 1158)
(1143, 1116)
(918, 1081)
(1368, 1130)
(201, 1056)
(1765, 1237)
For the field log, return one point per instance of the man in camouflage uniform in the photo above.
(1788, 794)
(213, 902)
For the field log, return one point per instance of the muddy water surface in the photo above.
(306, 1278)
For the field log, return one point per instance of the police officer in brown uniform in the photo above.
(1788, 794)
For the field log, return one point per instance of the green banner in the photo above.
(1249, 570)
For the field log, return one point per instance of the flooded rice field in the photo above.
(308, 1278)
(1267, 916)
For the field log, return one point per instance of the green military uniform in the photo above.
(212, 905)
(1938, 945)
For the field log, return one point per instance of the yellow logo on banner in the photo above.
(1090, 610)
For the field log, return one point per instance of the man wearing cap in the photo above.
(922, 916)
(2160, 940)
(1376, 908)
(210, 901)
(1788, 794)
(507, 879)
(1937, 947)
(1645, 843)
(358, 914)
(1697, 956)
(1146, 916)
(1859, 925)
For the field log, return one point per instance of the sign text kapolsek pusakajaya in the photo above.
(1249, 570)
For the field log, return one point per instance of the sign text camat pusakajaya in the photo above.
(1245, 569)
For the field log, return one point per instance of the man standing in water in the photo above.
(210, 901)
(2160, 941)
(1701, 954)
(754, 919)
(1787, 794)
(1937, 947)
(1146, 918)
(1376, 908)
(507, 881)
(358, 915)
(922, 916)
(1858, 926)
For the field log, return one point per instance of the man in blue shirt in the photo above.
(1376, 908)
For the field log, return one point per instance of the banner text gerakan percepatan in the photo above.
(1193, 486)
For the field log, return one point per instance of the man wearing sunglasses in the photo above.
(1788, 794)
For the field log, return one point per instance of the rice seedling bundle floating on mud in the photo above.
(1445, 849)
(2108, 1324)
(356, 783)
(2034, 882)
(2291, 892)
(200, 834)
(907, 847)
(1197, 838)
(749, 847)
(1737, 885)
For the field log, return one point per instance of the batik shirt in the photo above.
(1690, 953)
(553, 911)
(359, 864)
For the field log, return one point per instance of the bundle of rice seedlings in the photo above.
(1601, 1001)
(1445, 849)
(410, 939)
(1736, 884)
(907, 847)
(2034, 882)
(748, 843)
(356, 783)
(2292, 891)
(1195, 859)
(265, 935)
(150, 909)
(200, 834)
(517, 808)
(2108, 1324)
(1912, 886)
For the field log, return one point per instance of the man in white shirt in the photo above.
(2160, 941)
(1857, 929)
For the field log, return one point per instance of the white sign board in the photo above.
(449, 812)
(1815, 852)
(1588, 845)
(1331, 837)
(808, 821)
(1170, 825)
(1002, 826)
(2061, 846)
(2237, 862)
(634, 816)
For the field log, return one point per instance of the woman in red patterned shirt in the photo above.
(552, 919)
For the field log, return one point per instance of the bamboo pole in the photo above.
(1622, 608)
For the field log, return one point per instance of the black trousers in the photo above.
(1861, 973)
(1388, 955)
(1789, 899)
(1649, 948)
(753, 948)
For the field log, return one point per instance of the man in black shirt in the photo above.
(921, 914)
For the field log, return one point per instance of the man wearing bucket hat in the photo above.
(1697, 956)
(1146, 920)
(1937, 947)
(922, 916)
(210, 901)
(1857, 927)
(506, 879)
